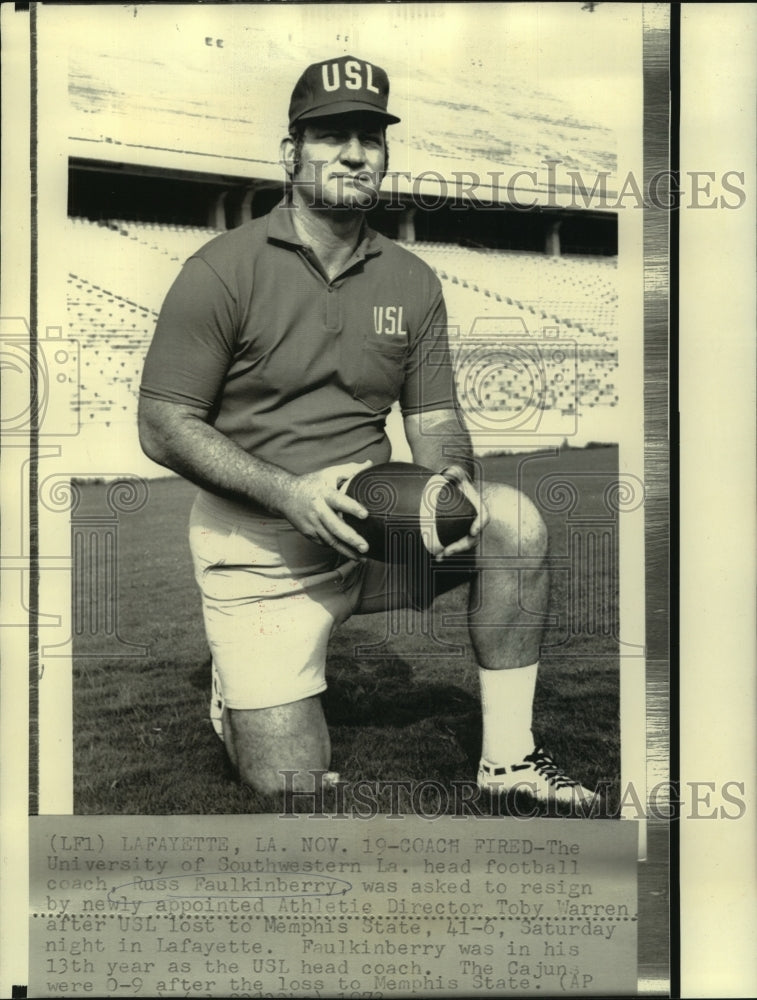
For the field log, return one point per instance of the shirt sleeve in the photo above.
(429, 379)
(194, 341)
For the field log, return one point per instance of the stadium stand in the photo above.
(578, 292)
(542, 298)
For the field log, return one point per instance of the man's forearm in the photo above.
(179, 437)
(438, 439)
(182, 441)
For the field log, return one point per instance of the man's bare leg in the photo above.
(506, 616)
(262, 742)
(509, 594)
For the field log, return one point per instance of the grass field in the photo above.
(143, 741)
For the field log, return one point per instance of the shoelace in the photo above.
(546, 767)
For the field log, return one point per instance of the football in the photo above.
(408, 506)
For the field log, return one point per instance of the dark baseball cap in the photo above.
(339, 86)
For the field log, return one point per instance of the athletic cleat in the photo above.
(216, 703)
(537, 776)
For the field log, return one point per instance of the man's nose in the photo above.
(353, 151)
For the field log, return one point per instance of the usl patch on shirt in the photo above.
(389, 321)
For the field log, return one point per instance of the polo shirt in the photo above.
(298, 370)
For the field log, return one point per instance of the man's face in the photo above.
(342, 161)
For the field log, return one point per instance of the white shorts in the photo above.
(271, 599)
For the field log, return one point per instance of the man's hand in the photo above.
(314, 506)
(457, 475)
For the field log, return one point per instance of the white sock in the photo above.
(507, 702)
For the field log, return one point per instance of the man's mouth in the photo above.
(353, 178)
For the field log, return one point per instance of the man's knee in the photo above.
(516, 525)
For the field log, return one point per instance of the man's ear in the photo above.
(286, 155)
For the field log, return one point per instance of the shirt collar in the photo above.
(281, 230)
